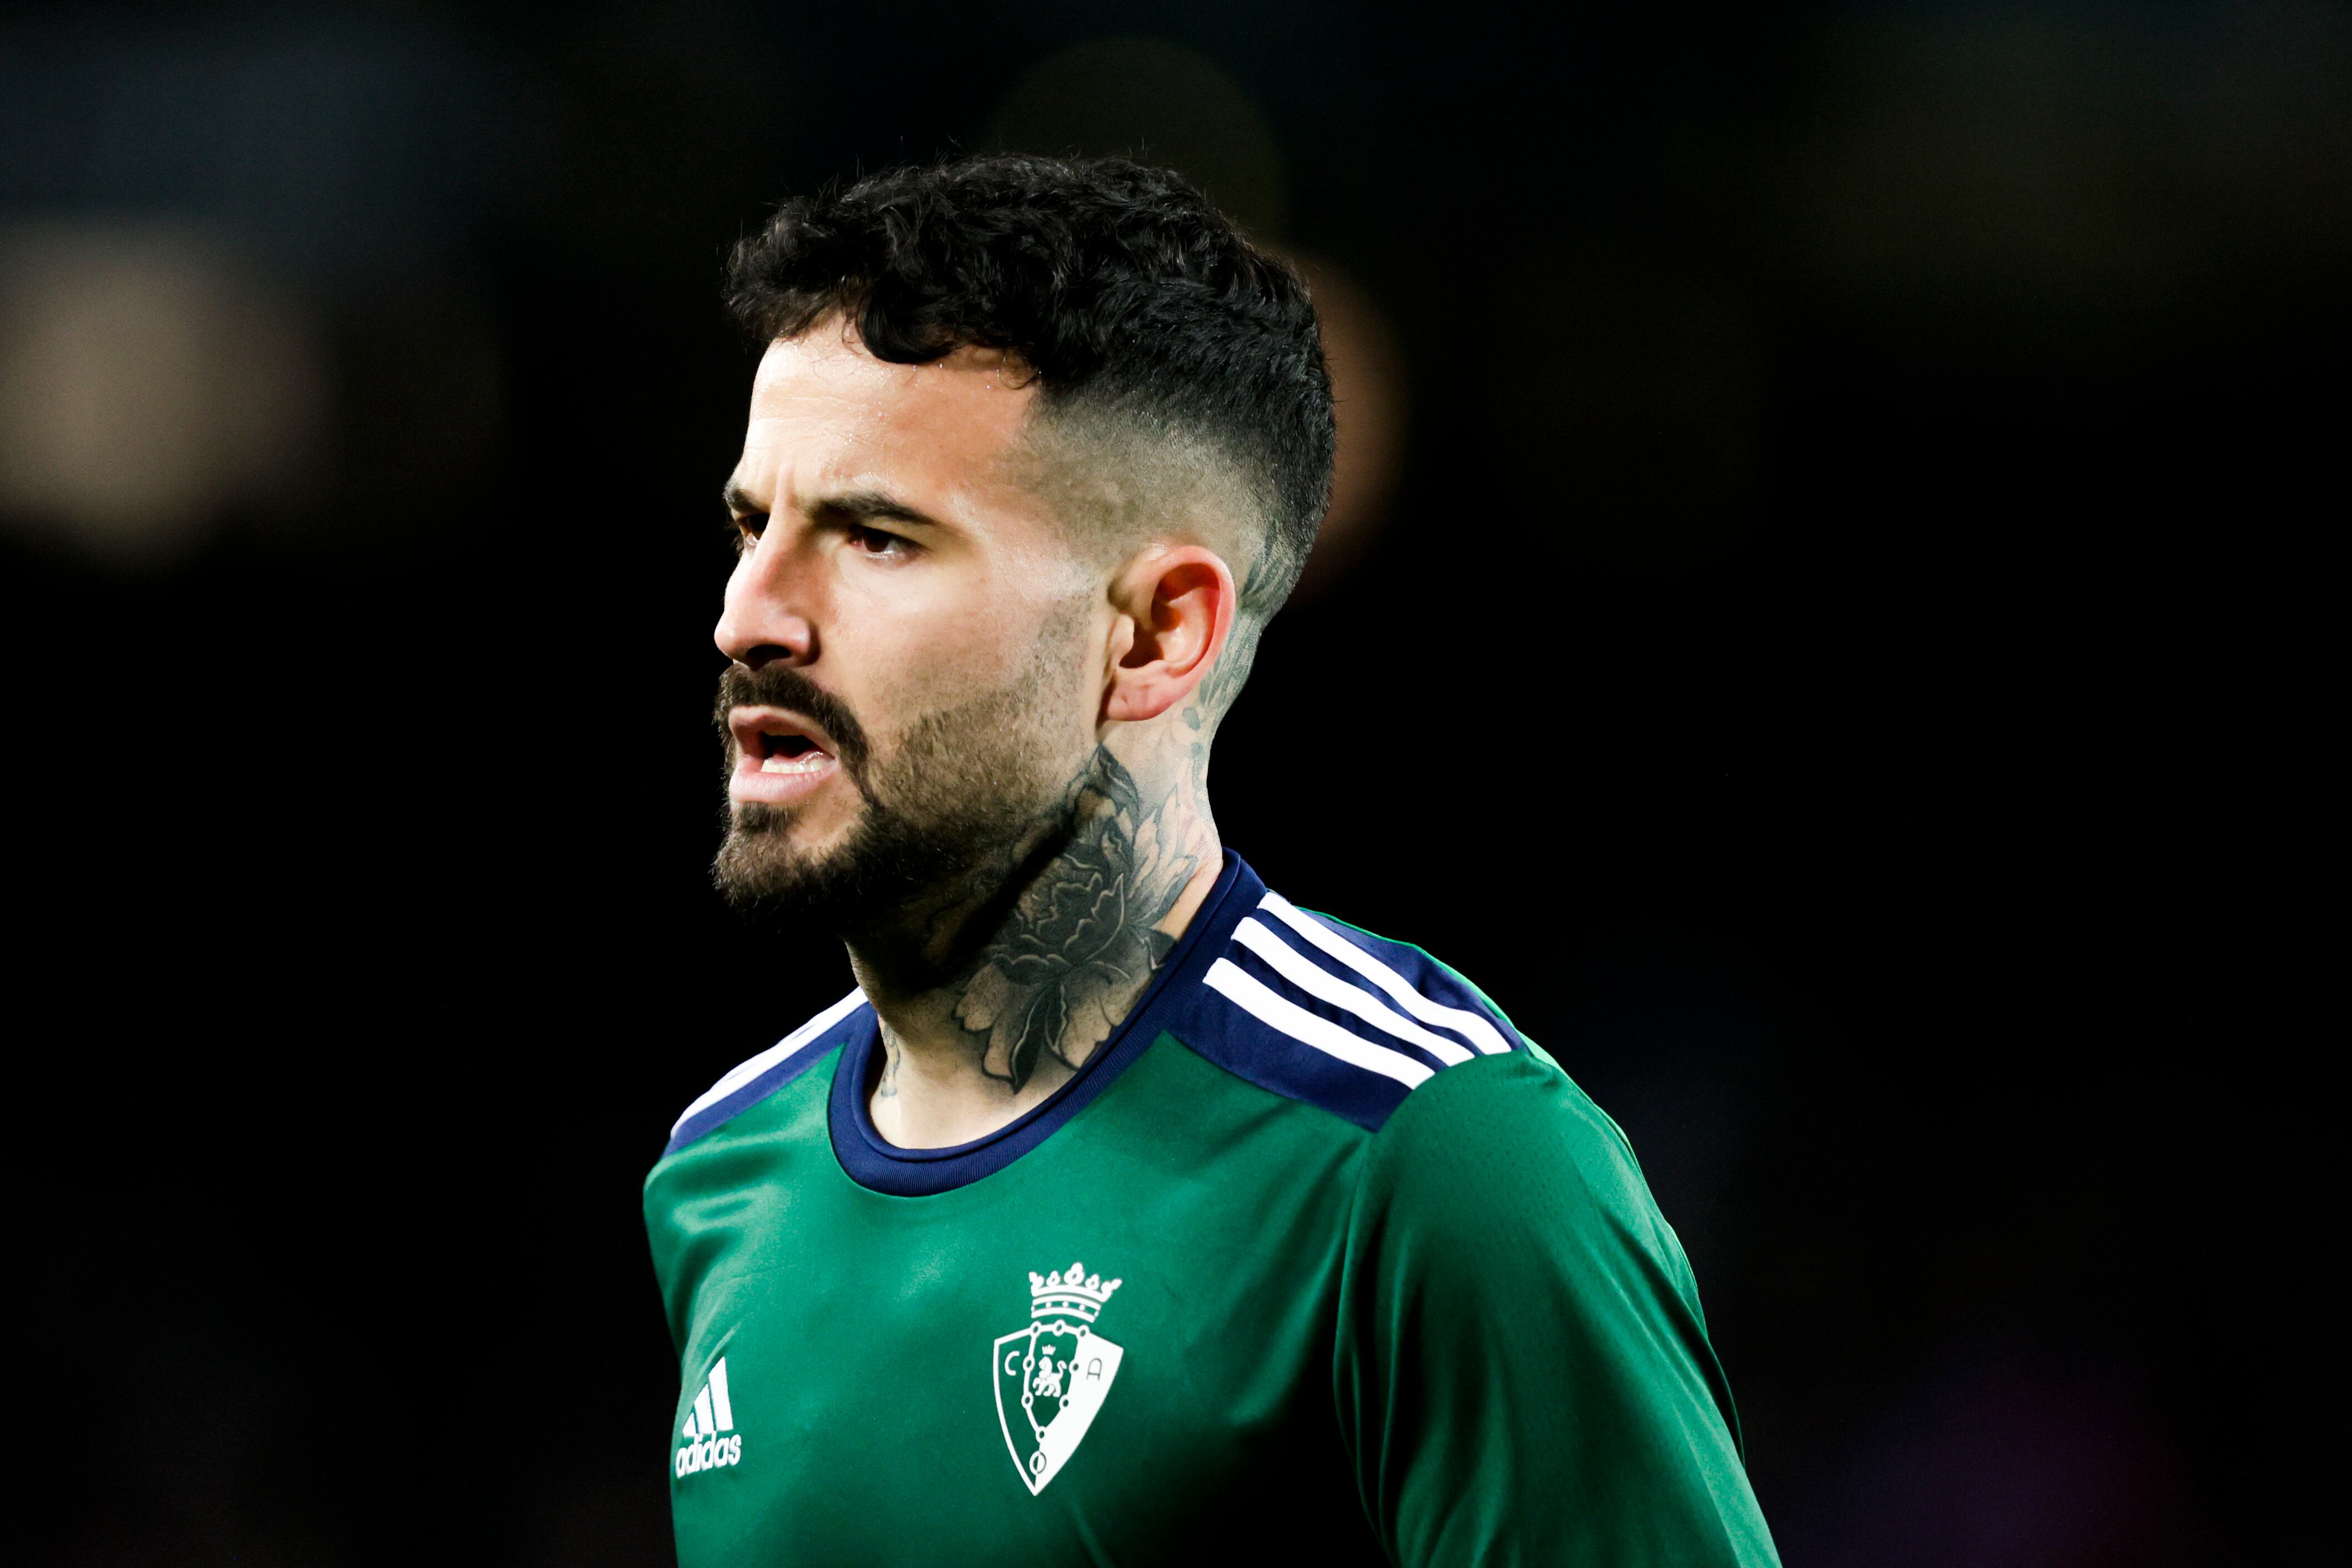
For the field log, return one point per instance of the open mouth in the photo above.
(780, 745)
(791, 755)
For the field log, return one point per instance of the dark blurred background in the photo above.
(1829, 540)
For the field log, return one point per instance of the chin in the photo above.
(858, 878)
(764, 860)
(767, 870)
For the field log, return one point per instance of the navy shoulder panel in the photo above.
(754, 1080)
(1313, 1010)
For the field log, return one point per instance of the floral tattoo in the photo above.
(1080, 946)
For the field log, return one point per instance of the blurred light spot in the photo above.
(1367, 388)
(1158, 103)
(150, 384)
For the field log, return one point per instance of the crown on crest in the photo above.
(1070, 1291)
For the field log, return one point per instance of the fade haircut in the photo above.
(1142, 309)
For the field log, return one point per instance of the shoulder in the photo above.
(1475, 1130)
(748, 1082)
(1315, 1010)
(1501, 1137)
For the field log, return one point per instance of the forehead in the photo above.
(825, 414)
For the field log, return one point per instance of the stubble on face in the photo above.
(949, 815)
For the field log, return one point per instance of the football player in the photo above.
(1126, 1212)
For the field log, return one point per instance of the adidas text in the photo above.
(710, 1454)
(708, 1440)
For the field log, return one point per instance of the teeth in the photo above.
(807, 763)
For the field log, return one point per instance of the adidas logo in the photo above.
(710, 1439)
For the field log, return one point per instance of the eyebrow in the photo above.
(857, 506)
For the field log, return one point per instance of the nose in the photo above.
(763, 620)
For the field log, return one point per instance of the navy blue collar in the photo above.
(873, 1162)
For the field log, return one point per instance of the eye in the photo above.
(874, 543)
(746, 528)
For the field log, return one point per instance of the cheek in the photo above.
(944, 660)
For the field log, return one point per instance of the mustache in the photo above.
(781, 686)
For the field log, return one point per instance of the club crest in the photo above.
(1051, 1376)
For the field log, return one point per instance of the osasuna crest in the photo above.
(1051, 1377)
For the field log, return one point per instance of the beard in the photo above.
(948, 814)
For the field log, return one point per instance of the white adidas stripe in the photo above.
(713, 1412)
(1479, 1031)
(1319, 981)
(744, 1073)
(719, 1400)
(1253, 997)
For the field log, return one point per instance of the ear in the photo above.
(1176, 604)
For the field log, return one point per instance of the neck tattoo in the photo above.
(1080, 944)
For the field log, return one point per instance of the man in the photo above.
(1125, 1212)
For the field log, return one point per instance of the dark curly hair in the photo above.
(1131, 297)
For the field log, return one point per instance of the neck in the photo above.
(997, 990)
